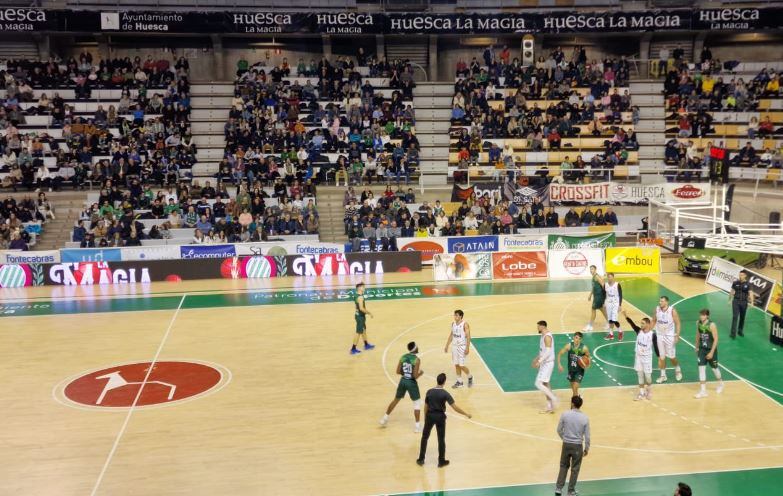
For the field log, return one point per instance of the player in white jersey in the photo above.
(646, 347)
(545, 363)
(667, 327)
(459, 339)
(612, 305)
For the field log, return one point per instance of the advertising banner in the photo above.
(279, 248)
(776, 331)
(521, 243)
(561, 242)
(522, 194)
(633, 260)
(472, 244)
(187, 252)
(91, 255)
(462, 266)
(519, 265)
(627, 194)
(723, 273)
(28, 257)
(355, 23)
(151, 252)
(428, 247)
(238, 267)
(776, 300)
(575, 262)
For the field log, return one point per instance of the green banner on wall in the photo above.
(560, 242)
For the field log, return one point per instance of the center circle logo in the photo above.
(575, 263)
(118, 386)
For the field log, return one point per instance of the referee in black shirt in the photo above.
(740, 296)
(435, 415)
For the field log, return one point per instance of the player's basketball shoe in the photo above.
(648, 394)
(587, 328)
(640, 397)
(384, 421)
(661, 379)
(457, 385)
(609, 337)
(678, 374)
(701, 394)
(354, 351)
(620, 336)
(369, 346)
(470, 381)
(719, 389)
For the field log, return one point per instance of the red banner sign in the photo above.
(519, 265)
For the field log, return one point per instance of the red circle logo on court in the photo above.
(133, 384)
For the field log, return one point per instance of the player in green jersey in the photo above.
(409, 368)
(575, 349)
(360, 314)
(707, 351)
(597, 296)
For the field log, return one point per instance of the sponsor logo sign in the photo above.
(776, 300)
(776, 331)
(462, 266)
(353, 263)
(472, 244)
(522, 243)
(428, 247)
(287, 248)
(630, 194)
(152, 252)
(91, 255)
(723, 273)
(636, 260)
(206, 251)
(558, 242)
(29, 257)
(575, 262)
(519, 265)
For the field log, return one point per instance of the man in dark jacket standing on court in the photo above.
(435, 415)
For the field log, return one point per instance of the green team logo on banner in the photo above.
(559, 242)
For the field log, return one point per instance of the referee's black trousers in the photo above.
(738, 316)
(438, 420)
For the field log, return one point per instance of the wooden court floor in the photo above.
(269, 401)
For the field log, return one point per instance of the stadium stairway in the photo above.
(647, 94)
(210, 106)
(432, 102)
(68, 206)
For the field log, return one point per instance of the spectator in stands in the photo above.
(746, 155)
(572, 218)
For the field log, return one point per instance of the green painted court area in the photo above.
(509, 358)
(741, 482)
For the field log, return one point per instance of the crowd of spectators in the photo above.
(694, 93)
(14, 215)
(115, 220)
(279, 128)
(600, 109)
(383, 219)
(152, 140)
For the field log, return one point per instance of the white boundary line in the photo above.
(136, 399)
(549, 482)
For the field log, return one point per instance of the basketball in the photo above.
(583, 362)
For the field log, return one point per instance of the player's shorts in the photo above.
(575, 375)
(703, 358)
(598, 302)
(612, 309)
(361, 323)
(410, 386)
(643, 364)
(458, 354)
(666, 348)
(545, 371)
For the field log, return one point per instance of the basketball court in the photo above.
(248, 388)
